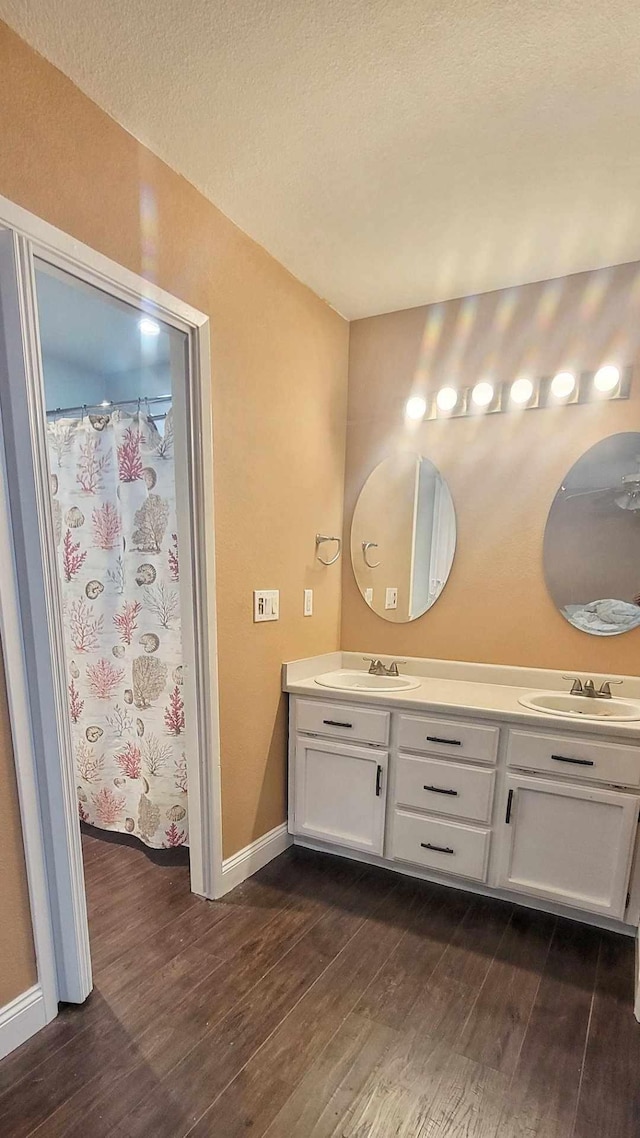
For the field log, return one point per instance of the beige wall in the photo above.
(17, 972)
(279, 379)
(503, 470)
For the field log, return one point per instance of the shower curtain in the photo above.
(114, 510)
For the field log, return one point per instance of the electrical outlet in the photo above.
(368, 596)
(391, 599)
(307, 609)
(266, 604)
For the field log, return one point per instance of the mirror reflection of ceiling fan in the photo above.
(626, 494)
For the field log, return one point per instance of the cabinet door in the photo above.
(340, 793)
(570, 844)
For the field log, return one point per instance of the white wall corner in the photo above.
(246, 862)
(21, 1018)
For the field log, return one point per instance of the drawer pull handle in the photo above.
(576, 762)
(378, 780)
(438, 849)
(509, 805)
(449, 742)
(336, 723)
(440, 790)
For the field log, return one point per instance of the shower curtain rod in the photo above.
(108, 403)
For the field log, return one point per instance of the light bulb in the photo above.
(521, 391)
(447, 398)
(416, 407)
(482, 394)
(606, 379)
(563, 384)
(149, 327)
(106, 403)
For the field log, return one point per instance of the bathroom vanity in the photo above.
(456, 780)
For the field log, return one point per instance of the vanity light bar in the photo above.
(525, 393)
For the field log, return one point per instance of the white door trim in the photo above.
(36, 237)
(23, 748)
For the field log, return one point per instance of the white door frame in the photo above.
(36, 684)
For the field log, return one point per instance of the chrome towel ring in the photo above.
(366, 546)
(320, 539)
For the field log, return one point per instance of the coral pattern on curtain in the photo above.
(114, 509)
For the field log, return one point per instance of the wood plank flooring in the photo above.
(326, 999)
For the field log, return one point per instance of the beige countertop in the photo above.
(476, 690)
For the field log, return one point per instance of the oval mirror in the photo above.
(592, 539)
(403, 537)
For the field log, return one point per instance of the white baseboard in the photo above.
(244, 863)
(21, 1018)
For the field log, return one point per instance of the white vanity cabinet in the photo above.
(340, 793)
(568, 843)
(339, 789)
(537, 813)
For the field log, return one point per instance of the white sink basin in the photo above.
(363, 681)
(581, 707)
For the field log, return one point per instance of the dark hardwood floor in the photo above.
(325, 999)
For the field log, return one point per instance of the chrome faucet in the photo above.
(588, 688)
(377, 668)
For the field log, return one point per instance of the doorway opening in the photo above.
(110, 371)
(107, 605)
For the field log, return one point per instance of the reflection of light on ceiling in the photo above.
(430, 341)
(148, 232)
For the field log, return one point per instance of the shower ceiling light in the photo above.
(482, 394)
(416, 407)
(521, 391)
(447, 398)
(149, 327)
(606, 379)
(563, 385)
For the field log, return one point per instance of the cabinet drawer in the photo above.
(579, 758)
(337, 720)
(446, 846)
(444, 788)
(448, 737)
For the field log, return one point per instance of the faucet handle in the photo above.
(605, 688)
(376, 667)
(576, 686)
(392, 670)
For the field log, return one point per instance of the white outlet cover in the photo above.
(266, 605)
(368, 596)
(391, 598)
(307, 608)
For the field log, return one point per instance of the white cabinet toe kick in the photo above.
(546, 818)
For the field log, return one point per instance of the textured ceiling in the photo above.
(388, 152)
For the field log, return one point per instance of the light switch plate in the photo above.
(391, 599)
(266, 604)
(368, 596)
(307, 608)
